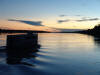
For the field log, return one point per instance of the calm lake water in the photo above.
(60, 54)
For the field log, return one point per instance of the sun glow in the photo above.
(70, 25)
(13, 25)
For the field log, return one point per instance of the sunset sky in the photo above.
(67, 14)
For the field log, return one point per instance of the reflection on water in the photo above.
(65, 54)
(97, 40)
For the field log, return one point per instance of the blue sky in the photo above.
(49, 9)
(42, 8)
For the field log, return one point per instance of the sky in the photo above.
(66, 14)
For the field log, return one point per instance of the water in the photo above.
(61, 54)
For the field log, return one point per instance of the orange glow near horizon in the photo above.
(49, 25)
(4, 24)
(71, 25)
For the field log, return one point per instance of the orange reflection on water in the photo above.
(67, 40)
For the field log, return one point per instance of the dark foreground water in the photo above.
(60, 54)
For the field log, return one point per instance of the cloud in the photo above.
(92, 19)
(88, 19)
(35, 23)
(61, 21)
(78, 15)
(69, 15)
(62, 15)
(83, 19)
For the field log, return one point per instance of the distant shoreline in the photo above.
(94, 32)
(21, 31)
(26, 31)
